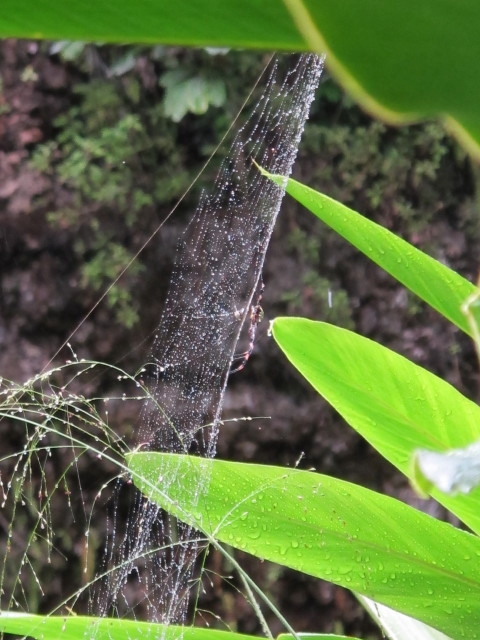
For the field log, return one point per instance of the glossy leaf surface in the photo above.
(436, 284)
(75, 627)
(396, 405)
(328, 528)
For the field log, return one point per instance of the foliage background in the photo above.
(97, 144)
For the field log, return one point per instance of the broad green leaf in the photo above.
(343, 533)
(402, 59)
(441, 287)
(236, 23)
(392, 56)
(452, 472)
(77, 627)
(398, 626)
(395, 404)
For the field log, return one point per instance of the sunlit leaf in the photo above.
(359, 539)
(396, 405)
(76, 627)
(441, 287)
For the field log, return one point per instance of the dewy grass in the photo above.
(55, 420)
(60, 428)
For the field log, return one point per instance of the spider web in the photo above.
(215, 288)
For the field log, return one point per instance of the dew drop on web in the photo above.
(214, 291)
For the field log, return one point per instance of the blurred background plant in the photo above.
(116, 151)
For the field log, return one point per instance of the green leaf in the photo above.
(195, 94)
(314, 636)
(327, 528)
(395, 404)
(441, 287)
(75, 627)
(391, 56)
(471, 309)
(216, 23)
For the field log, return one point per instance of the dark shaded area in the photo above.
(90, 165)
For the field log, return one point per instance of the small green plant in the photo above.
(115, 160)
(119, 157)
(94, 160)
(63, 434)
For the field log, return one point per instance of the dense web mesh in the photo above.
(214, 292)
